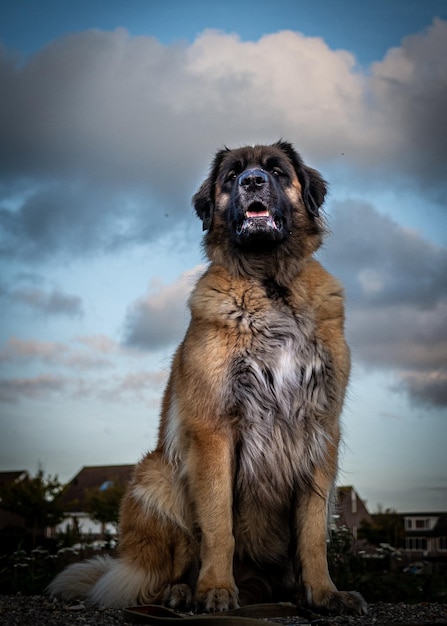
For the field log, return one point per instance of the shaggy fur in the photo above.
(231, 506)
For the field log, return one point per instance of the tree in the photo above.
(36, 500)
(386, 527)
(104, 504)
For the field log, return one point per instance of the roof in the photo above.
(439, 530)
(345, 489)
(425, 514)
(93, 477)
(12, 477)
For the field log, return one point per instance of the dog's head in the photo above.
(258, 200)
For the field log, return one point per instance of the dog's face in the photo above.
(252, 193)
(258, 197)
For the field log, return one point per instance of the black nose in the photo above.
(252, 178)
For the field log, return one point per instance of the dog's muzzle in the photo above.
(258, 216)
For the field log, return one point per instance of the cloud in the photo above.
(73, 219)
(410, 88)
(27, 290)
(79, 365)
(99, 343)
(396, 298)
(18, 349)
(137, 386)
(57, 354)
(427, 388)
(55, 302)
(105, 137)
(12, 389)
(160, 318)
(382, 262)
(112, 133)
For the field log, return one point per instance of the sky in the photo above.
(110, 113)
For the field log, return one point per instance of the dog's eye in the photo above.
(230, 176)
(277, 171)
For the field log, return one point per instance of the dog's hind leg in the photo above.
(156, 537)
(156, 568)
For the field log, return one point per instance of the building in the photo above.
(351, 510)
(425, 534)
(76, 493)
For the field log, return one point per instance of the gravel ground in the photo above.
(22, 610)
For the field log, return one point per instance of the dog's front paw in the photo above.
(216, 600)
(180, 597)
(337, 602)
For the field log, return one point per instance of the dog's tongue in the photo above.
(264, 213)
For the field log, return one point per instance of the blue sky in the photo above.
(109, 116)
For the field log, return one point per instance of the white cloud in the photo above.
(57, 354)
(18, 349)
(161, 317)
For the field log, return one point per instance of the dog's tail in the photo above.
(103, 581)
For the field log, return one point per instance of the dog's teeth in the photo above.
(257, 214)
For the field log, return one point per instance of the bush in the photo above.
(30, 572)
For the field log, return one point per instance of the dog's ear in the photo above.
(313, 185)
(203, 200)
(314, 190)
(204, 204)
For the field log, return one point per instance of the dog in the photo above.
(232, 505)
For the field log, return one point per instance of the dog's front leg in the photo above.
(210, 477)
(320, 591)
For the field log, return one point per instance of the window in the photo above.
(442, 543)
(106, 485)
(417, 544)
(421, 524)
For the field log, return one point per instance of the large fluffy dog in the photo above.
(231, 506)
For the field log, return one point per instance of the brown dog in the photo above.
(231, 507)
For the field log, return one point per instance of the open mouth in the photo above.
(258, 220)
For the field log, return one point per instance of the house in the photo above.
(351, 510)
(8, 519)
(76, 493)
(425, 534)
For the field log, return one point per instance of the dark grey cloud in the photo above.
(382, 262)
(55, 302)
(39, 299)
(410, 87)
(429, 389)
(396, 297)
(72, 219)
